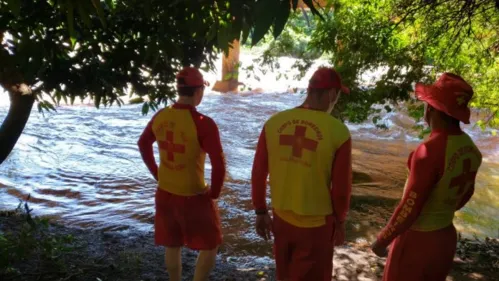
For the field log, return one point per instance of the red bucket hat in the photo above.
(190, 77)
(451, 94)
(327, 78)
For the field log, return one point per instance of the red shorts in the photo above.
(191, 221)
(421, 256)
(303, 254)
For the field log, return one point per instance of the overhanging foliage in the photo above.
(413, 41)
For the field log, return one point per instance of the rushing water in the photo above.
(81, 165)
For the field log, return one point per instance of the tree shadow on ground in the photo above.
(360, 177)
(91, 255)
(368, 214)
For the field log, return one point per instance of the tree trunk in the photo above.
(230, 71)
(21, 103)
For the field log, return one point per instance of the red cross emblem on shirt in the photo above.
(170, 147)
(298, 141)
(466, 177)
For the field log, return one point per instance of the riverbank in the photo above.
(35, 249)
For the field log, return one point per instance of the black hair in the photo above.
(318, 92)
(186, 90)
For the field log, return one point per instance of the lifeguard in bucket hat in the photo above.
(186, 213)
(451, 95)
(308, 155)
(442, 172)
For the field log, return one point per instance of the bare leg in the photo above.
(205, 263)
(173, 261)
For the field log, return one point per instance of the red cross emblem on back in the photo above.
(465, 178)
(298, 141)
(171, 147)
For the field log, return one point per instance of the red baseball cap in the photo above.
(190, 77)
(327, 78)
(451, 94)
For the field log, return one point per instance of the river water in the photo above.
(82, 167)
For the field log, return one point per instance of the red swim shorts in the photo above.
(191, 221)
(303, 254)
(421, 256)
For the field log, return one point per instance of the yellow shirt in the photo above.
(181, 170)
(301, 146)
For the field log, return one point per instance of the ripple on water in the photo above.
(82, 165)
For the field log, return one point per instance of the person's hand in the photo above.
(263, 226)
(379, 250)
(339, 233)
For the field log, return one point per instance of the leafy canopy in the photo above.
(72, 49)
(413, 41)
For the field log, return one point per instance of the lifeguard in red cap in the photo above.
(186, 214)
(442, 173)
(307, 153)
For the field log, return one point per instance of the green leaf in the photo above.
(223, 39)
(44, 222)
(104, 100)
(153, 105)
(147, 8)
(145, 108)
(15, 6)
(150, 50)
(45, 105)
(481, 124)
(205, 68)
(494, 132)
(246, 31)
(84, 14)
(58, 96)
(54, 98)
(70, 20)
(281, 18)
(97, 100)
(100, 12)
(111, 4)
(228, 76)
(424, 133)
(265, 9)
(212, 32)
